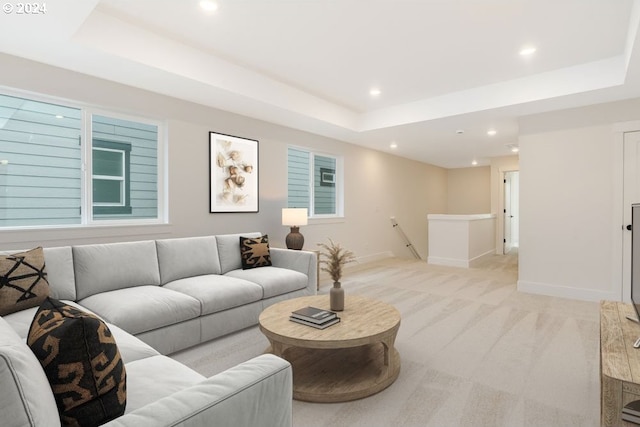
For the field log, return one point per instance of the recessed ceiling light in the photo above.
(514, 149)
(208, 5)
(393, 145)
(491, 132)
(474, 162)
(375, 92)
(526, 51)
(460, 131)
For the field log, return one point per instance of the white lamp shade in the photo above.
(294, 217)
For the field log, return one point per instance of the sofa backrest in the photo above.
(107, 267)
(229, 250)
(25, 395)
(59, 267)
(187, 257)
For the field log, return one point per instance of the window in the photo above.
(314, 182)
(125, 179)
(111, 180)
(51, 175)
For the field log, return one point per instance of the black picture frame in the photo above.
(233, 174)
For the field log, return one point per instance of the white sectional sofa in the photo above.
(158, 297)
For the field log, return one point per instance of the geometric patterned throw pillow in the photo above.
(254, 252)
(23, 281)
(81, 360)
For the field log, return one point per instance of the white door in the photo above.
(631, 195)
(511, 213)
(507, 213)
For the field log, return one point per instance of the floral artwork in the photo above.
(234, 173)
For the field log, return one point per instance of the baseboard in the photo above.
(477, 260)
(361, 262)
(457, 262)
(449, 262)
(566, 291)
(374, 257)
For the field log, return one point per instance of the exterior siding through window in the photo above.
(298, 178)
(143, 162)
(41, 184)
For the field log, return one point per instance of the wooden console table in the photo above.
(619, 361)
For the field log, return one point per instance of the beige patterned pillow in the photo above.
(23, 281)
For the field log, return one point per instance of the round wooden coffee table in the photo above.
(349, 360)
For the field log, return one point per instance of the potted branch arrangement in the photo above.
(332, 258)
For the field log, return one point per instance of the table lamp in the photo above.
(294, 218)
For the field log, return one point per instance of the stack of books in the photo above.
(631, 412)
(315, 317)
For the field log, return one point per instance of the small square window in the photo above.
(111, 165)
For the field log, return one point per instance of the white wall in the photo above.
(378, 185)
(566, 199)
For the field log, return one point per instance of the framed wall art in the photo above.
(233, 170)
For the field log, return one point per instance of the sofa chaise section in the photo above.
(160, 391)
(254, 393)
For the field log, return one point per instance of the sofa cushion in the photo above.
(107, 267)
(23, 281)
(59, 268)
(254, 252)
(21, 320)
(156, 377)
(62, 281)
(131, 348)
(217, 293)
(273, 280)
(187, 257)
(25, 395)
(229, 250)
(143, 308)
(82, 362)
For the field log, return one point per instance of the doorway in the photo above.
(511, 212)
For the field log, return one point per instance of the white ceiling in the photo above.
(442, 65)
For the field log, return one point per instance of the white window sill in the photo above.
(331, 220)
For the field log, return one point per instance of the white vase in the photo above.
(336, 297)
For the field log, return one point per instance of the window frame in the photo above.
(87, 220)
(124, 207)
(338, 184)
(87, 192)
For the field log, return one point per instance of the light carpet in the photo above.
(474, 351)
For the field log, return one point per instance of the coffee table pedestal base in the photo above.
(340, 375)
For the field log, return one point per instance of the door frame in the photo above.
(620, 286)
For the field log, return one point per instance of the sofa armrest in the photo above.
(305, 262)
(254, 393)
